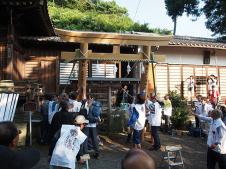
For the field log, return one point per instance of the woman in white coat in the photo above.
(154, 120)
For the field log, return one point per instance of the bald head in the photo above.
(137, 159)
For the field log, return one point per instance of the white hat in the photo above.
(80, 119)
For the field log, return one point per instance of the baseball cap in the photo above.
(21, 159)
(80, 119)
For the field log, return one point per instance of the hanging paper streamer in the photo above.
(142, 68)
(97, 67)
(128, 68)
(115, 69)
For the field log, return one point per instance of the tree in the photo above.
(215, 11)
(95, 15)
(176, 8)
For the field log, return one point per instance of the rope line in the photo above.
(138, 5)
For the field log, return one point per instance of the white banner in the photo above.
(8, 102)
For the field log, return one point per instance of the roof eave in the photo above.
(113, 38)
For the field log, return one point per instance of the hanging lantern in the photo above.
(97, 67)
(128, 68)
(142, 68)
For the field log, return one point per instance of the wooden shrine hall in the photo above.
(33, 51)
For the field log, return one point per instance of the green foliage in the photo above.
(110, 7)
(215, 12)
(95, 15)
(176, 8)
(77, 20)
(180, 110)
(82, 5)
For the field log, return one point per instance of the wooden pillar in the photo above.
(82, 76)
(10, 40)
(109, 107)
(144, 76)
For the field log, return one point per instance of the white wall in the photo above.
(188, 55)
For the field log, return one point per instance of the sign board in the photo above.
(30, 106)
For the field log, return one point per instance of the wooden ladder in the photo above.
(174, 156)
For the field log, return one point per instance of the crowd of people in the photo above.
(212, 85)
(208, 116)
(69, 127)
(149, 110)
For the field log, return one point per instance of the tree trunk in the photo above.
(175, 26)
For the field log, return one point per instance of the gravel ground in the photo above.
(194, 152)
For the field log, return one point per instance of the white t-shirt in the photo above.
(190, 83)
(207, 109)
(154, 118)
(53, 108)
(217, 134)
(67, 146)
(76, 105)
(140, 123)
(212, 82)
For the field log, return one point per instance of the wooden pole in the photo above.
(109, 107)
(144, 76)
(82, 76)
(153, 71)
(9, 69)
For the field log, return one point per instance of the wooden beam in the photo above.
(116, 50)
(68, 56)
(115, 41)
(113, 57)
(35, 58)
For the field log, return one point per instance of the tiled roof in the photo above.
(183, 41)
(188, 41)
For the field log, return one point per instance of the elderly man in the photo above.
(216, 140)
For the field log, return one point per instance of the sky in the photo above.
(153, 12)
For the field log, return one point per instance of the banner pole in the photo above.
(30, 127)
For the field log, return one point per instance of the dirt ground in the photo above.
(114, 149)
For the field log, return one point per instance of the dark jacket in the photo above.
(22, 159)
(60, 118)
